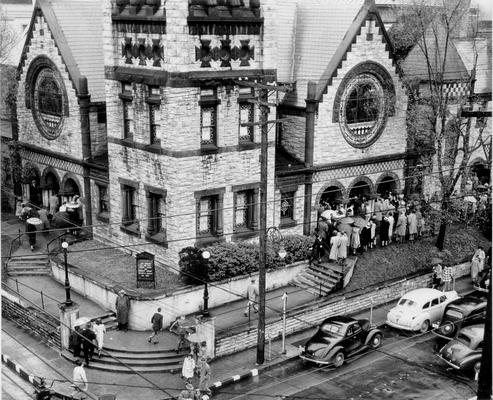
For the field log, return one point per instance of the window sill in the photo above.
(103, 217)
(131, 229)
(209, 240)
(287, 223)
(129, 141)
(208, 149)
(159, 239)
(243, 234)
(247, 145)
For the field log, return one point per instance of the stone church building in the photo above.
(139, 107)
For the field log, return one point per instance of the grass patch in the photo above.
(400, 260)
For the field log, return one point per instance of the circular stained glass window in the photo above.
(362, 110)
(48, 103)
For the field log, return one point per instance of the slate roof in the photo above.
(77, 27)
(322, 33)
(415, 64)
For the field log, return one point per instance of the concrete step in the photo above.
(28, 273)
(315, 286)
(308, 288)
(327, 269)
(322, 277)
(108, 320)
(317, 283)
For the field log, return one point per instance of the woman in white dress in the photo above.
(99, 330)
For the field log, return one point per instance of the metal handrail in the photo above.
(52, 240)
(18, 237)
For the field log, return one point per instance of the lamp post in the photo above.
(68, 301)
(206, 255)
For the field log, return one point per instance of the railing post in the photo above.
(20, 235)
(17, 285)
(320, 289)
(42, 300)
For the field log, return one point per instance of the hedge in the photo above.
(230, 259)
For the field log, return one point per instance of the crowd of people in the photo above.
(363, 224)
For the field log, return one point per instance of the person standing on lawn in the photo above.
(100, 331)
(400, 228)
(412, 223)
(342, 250)
(252, 294)
(157, 325)
(122, 306)
(384, 231)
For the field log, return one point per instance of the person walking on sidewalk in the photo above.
(188, 368)
(157, 325)
(205, 377)
(88, 343)
(79, 378)
(122, 306)
(99, 330)
(31, 233)
(252, 294)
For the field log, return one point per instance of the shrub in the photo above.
(234, 259)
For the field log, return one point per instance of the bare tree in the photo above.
(8, 37)
(442, 137)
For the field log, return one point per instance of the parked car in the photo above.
(465, 311)
(418, 309)
(464, 352)
(338, 338)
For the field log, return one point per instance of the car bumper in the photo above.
(448, 362)
(400, 326)
(438, 334)
(308, 358)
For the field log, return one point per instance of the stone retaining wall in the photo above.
(348, 304)
(31, 319)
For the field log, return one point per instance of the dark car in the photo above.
(464, 352)
(339, 337)
(466, 311)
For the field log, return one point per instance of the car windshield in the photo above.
(333, 328)
(463, 339)
(407, 303)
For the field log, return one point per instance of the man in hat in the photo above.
(79, 378)
(252, 293)
(188, 393)
(88, 343)
(122, 306)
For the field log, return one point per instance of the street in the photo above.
(403, 368)
(14, 388)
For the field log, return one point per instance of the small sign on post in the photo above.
(145, 271)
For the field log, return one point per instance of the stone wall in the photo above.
(31, 319)
(312, 315)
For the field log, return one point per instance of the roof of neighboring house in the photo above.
(77, 27)
(323, 32)
(434, 44)
(467, 50)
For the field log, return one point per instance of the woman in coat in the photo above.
(400, 228)
(335, 242)
(188, 368)
(384, 231)
(355, 240)
(412, 223)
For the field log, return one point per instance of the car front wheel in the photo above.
(339, 359)
(424, 327)
(376, 341)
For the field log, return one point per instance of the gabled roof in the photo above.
(77, 26)
(433, 44)
(323, 33)
(468, 49)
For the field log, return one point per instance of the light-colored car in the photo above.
(418, 309)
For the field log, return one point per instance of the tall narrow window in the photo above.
(244, 209)
(246, 116)
(208, 117)
(129, 205)
(103, 203)
(154, 101)
(126, 96)
(155, 214)
(207, 215)
(287, 207)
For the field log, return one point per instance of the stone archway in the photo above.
(50, 185)
(362, 186)
(31, 184)
(70, 187)
(388, 183)
(332, 193)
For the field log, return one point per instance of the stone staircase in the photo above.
(320, 278)
(108, 320)
(36, 264)
(143, 361)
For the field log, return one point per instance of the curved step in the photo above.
(145, 355)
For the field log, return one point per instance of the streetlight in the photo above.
(206, 255)
(68, 301)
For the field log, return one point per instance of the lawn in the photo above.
(399, 260)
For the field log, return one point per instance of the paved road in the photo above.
(403, 368)
(14, 388)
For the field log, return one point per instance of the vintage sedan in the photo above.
(338, 338)
(464, 352)
(465, 311)
(419, 308)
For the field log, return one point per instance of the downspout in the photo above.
(311, 107)
(85, 128)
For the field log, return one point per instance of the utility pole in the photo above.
(262, 101)
(484, 383)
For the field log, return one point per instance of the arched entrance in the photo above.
(31, 185)
(50, 186)
(386, 186)
(361, 189)
(331, 197)
(70, 189)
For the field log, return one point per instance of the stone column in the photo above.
(219, 226)
(68, 315)
(206, 331)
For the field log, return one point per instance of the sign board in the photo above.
(145, 271)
